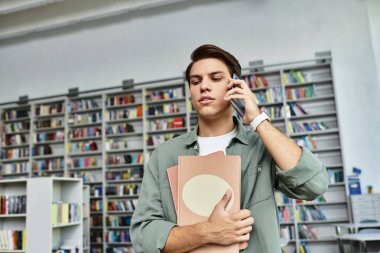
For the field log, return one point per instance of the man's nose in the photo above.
(205, 84)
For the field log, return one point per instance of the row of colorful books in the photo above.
(155, 95)
(163, 109)
(116, 144)
(295, 77)
(48, 165)
(50, 109)
(273, 112)
(12, 240)
(49, 123)
(85, 132)
(11, 168)
(85, 118)
(307, 142)
(295, 127)
(120, 100)
(302, 92)
(83, 104)
(14, 153)
(118, 236)
(137, 158)
(125, 113)
(295, 109)
(309, 213)
(96, 206)
(118, 221)
(123, 190)
(155, 140)
(15, 127)
(12, 204)
(120, 129)
(165, 124)
(82, 162)
(65, 213)
(255, 81)
(96, 221)
(287, 232)
(122, 205)
(86, 176)
(282, 199)
(16, 114)
(49, 136)
(129, 173)
(17, 139)
(271, 95)
(285, 214)
(77, 147)
(42, 150)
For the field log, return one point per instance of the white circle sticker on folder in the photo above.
(201, 193)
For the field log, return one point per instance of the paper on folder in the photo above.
(198, 183)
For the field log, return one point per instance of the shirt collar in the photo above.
(241, 134)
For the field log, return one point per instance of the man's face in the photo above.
(208, 86)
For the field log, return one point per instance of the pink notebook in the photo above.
(198, 183)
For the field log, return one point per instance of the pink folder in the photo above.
(198, 183)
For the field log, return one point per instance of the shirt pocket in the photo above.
(262, 188)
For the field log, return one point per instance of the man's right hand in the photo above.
(226, 228)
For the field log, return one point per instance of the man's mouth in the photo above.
(204, 100)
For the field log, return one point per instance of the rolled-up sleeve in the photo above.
(307, 180)
(149, 230)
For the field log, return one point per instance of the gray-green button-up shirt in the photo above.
(155, 214)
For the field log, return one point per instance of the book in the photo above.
(215, 172)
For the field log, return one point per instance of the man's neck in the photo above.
(215, 127)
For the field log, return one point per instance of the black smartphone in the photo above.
(238, 104)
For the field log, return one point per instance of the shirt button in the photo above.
(196, 147)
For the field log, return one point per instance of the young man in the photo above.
(269, 160)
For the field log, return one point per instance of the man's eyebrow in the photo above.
(210, 74)
(215, 73)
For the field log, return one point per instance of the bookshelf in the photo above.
(86, 218)
(108, 137)
(54, 214)
(48, 138)
(15, 141)
(300, 99)
(13, 215)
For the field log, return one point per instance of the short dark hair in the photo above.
(212, 51)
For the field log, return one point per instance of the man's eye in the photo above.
(194, 82)
(216, 79)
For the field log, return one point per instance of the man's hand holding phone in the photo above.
(239, 90)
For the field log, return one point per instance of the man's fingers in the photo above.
(246, 222)
(243, 238)
(224, 201)
(245, 230)
(242, 214)
(243, 245)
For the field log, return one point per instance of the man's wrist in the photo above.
(203, 232)
(259, 119)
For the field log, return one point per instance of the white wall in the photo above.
(155, 44)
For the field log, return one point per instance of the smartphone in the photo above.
(238, 104)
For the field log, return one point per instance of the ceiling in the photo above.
(23, 17)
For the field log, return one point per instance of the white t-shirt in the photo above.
(208, 145)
